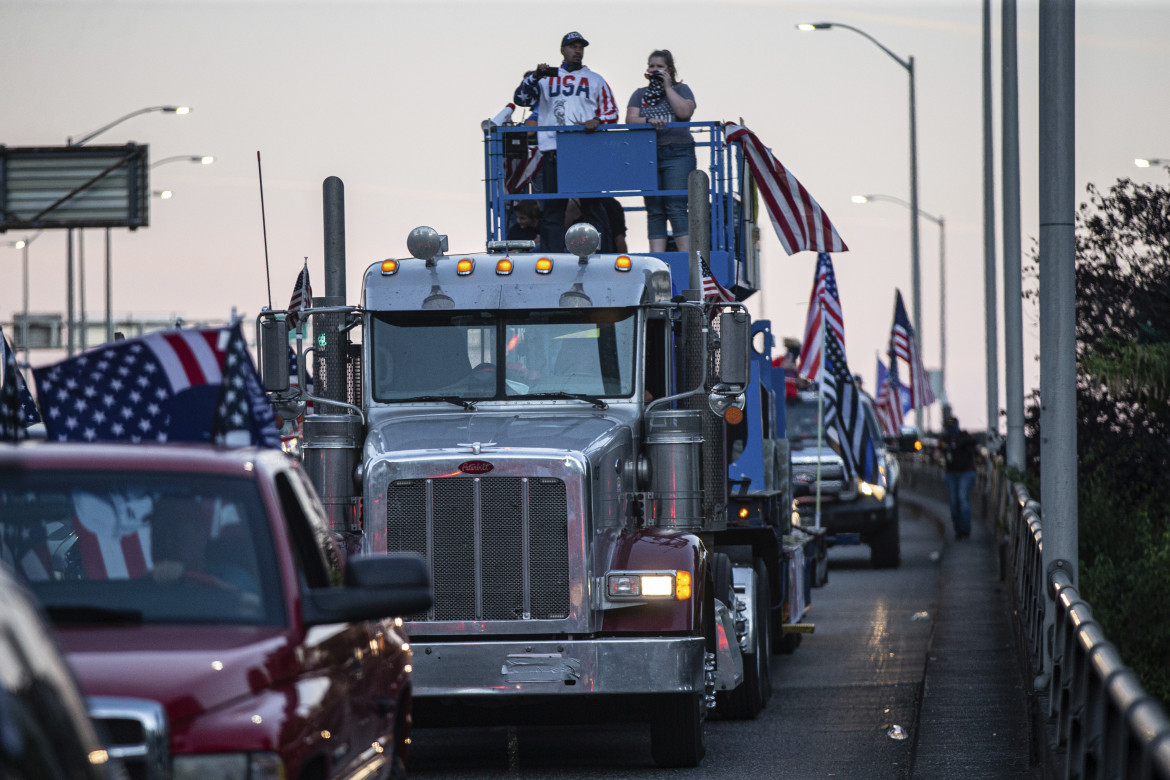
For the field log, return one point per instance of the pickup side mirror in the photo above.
(376, 586)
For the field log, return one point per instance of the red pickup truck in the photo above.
(208, 613)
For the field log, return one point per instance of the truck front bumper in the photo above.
(862, 515)
(568, 667)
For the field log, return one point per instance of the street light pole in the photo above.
(908, 64)
(23, 245)
(178, 110)
(1147, 162)
(942, 280)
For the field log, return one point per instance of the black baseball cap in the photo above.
(573, 37)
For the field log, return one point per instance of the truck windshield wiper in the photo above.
(574, 396)
(74, 613)
(449, 399)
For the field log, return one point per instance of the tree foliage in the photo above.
(1123, 420)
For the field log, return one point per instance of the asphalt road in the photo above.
(837, 700)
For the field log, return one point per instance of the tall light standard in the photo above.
(908, 64)
(201, 159)
(177, 110)
(1146, 162)
(23, 245)
(942, 280)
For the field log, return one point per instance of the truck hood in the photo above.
(567, 430)
(188, 669)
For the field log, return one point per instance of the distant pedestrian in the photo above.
(958, 450)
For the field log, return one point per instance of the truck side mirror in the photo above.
(735, 333)
(273, 342)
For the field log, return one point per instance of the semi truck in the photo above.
(587, 450)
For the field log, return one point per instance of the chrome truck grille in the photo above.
(497, 546)
(136, 734)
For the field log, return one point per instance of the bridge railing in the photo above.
(1100, 721)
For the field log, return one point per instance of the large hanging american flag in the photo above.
(164, 386)
(888, 404)
(905, 345)
(824, 308)
(18, 410)
(799, 221)
(302, 298)
(844, 418)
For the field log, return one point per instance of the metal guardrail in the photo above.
(1100, 722)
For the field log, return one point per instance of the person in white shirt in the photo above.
(569, 95)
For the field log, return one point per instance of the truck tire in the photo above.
(746, 701)
(885, 550)
(676, 730)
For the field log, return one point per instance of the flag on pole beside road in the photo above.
(18, 410)
(905, 345)
(799, 221)
(844, 418)
(302, 298)
(824, 307)
(161, 387)
(888, 404)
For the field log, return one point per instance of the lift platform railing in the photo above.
(620, 161)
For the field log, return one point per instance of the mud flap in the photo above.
(728, 659)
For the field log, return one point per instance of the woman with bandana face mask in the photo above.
(663, 100)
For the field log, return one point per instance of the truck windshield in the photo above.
(101, 547)
(801, 420)
(503, 354)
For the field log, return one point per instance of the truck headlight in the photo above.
(229, 766)
(629, 585)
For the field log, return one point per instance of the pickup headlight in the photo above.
(229, 766)
(868, 489)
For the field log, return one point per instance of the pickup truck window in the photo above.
(104, 546)
(470, 356)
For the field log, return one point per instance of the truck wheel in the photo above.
(676, 731)
(885, 551)
(746, 701)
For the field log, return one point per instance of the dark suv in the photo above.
(848, 506)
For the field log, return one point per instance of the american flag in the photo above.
(905, 345)
(844, 418)
(163, 386)
(888, 404)
(518, 173)
(18, 410)
(302, 298)
(243, 416)
(824, 306)
(799, 221)
(713, 291)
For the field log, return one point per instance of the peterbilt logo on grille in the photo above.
(475, 467)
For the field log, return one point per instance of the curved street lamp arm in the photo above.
(899, 201)
(121, 119)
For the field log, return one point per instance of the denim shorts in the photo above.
(675, 162)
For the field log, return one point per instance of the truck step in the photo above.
(799, 628)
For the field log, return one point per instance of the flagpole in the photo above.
(820, 406)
